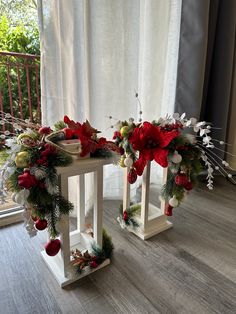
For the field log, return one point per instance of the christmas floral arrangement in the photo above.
(127, 217)
(82, 136)
(30, 170)
(81, 260)
(167, 142)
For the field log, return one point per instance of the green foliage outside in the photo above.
(18, 33)
(3, 156)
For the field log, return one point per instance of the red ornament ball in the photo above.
(181, 179)
(168, 210)
(132, 176)
(41, 224)
(125, 216)
(188, 186)
(27, 180)
(52, 247)
(45, 130)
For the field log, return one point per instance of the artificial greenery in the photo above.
(60, 125)
(128, 216)
(170, 188)
(101, 153)
(107, 247)
(97, 256)
(45, 204)
(191, 164)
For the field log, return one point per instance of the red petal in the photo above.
(148, 154)
(160, 156)
(66, 119)
(140, 164)
(166, 137)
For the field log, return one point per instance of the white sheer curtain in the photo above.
(95, 53)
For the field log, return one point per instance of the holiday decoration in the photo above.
(81, 260)
(128, 217)
(30, 172)
(166, 142)
(41, 224)
(80, 139)
(53, 247)
(86, 238)
(182, 155)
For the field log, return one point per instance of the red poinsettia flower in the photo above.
(151, 141)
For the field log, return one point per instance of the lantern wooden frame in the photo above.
(152, 219)
(60, 264)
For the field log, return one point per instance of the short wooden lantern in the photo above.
(152, 219)
(60, 264)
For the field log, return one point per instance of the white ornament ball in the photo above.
(176, 158)
(174, 170)
(174, 202)
(128, 162)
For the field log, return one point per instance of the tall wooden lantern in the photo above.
(152, 220)
(60, 264)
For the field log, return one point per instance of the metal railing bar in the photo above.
(17, 54)
(19, 93)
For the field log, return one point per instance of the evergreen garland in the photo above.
(97, 256)
(127, 217)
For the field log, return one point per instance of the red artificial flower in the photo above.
(68, 133)
(84, 132)
(151, 141)
(88, 145)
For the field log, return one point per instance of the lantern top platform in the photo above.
(84, 165)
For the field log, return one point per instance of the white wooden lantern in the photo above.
(60, 264)
(152, 219)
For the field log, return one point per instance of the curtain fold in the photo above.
(206, 62)
(95, 54)
(192, 56)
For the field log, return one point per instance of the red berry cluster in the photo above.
(47, 151)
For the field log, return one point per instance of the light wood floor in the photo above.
(188, 269)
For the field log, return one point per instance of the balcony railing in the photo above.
(20, 86)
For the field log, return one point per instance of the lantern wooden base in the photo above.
(80, 241)
(152, 219)
(156, 223)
